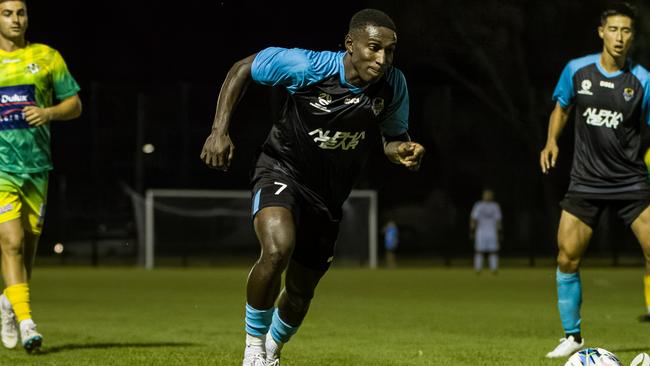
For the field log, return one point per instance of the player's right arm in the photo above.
(218, 149)
(557, 121)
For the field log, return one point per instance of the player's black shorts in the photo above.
(316, 232)
(588, 208)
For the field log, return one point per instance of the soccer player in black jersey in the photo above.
(610, 96)
(309, 163)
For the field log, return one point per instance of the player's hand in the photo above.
(36, 116)
(410, 154)
(548, 156)
(218, 151)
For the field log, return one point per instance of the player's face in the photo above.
(617, 35)
(371, 50)
(13, 20)
(488, 195)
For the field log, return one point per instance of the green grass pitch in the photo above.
(423, 316)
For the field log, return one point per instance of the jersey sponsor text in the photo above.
(603, 117)
(339, 139)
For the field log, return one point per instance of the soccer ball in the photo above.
(642, 359)
(593, 357)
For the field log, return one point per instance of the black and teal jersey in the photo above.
(323, 135)
(610, 111)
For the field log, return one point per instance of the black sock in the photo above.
(576, 336)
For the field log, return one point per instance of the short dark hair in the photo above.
(620, 8)
(374, 17)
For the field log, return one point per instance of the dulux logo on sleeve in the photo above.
(12, 101)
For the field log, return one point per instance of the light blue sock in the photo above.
(258, 322)
(281, 331)
(569, 300)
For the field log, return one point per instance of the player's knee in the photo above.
(276, 258)
(568, 263)
(12, 245)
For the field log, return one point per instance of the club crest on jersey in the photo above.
(377, 105)
(628, 94)
(33, 68)
(584, 87)
(324, 100)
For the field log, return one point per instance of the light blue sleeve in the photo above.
(564, 91)
(293, 68)
(644, 77)
(395, 122)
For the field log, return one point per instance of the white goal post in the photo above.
(148, 248)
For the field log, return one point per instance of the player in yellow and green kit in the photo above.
(31, 76)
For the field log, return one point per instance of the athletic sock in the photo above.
(478, 262)
(576, 337)
(273, 349)
(258, 321)
(569, 294)
(646, 286)
(4, 302)
(494, 262)
(281, 331)
(18, 296)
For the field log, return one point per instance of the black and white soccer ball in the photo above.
(593, 357)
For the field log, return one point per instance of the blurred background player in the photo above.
(309, 163)
(391, 240)
(31, 75)
(646, 279)
(485, 229)
(610, 94)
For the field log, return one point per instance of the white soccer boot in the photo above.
(566, 348)
(254, 354)
(9, 326)
(273, 350)
(255, 360)
(30, 337)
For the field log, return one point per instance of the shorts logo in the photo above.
(6, 208)
(324, 100)
(33, 68)
(340, 139)
(603, 117)
(377, 105)
(585, 86)
(628, 94)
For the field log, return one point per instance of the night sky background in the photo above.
(480, 76)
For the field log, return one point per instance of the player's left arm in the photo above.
(64, 88)
(407, 153)
(68, 108)
(398, 146)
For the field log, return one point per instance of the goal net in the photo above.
(214, 227)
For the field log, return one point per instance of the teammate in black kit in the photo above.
(610, 96)
(309, 163)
